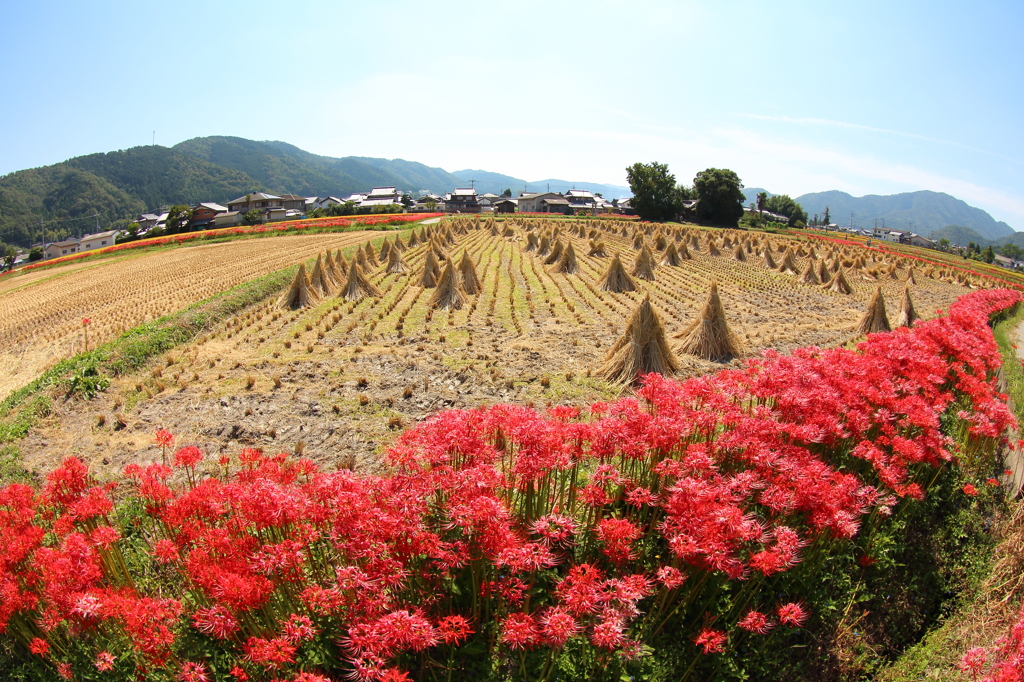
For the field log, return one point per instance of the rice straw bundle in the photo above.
(300, 294)
(875, 319)
(709, 337)
(641, 349)
(616, 279)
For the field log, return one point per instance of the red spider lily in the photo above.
(164, 438)
(299, 629)
(671, 577)
(270, 653)
(193, 672)
(39, 647)
(453, 629)
(711, 641)
(791, 614)
(65, 671)
(618, 536)
(519, 631)
(239, 674)
(104, 661)
(188, 456)
(970, 490)
(216, 621)
(755, 621)
(558, 626)
(994, 482)
(973, 661)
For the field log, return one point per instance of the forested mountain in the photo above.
(923, 212)
(282, 167)
(32, 200)
(120, 185)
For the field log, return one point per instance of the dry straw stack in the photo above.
(875, 319)
(396, 265)
(567, 264)
(672, 257)
(642, 349)
(357, 286)
(449, 294)
(838, 283)
(596, 249)
(615, 278)
(431, 271)
(300, 294)
(907, 315)
(470, 281)
(319, 280)
(739, 254)
(556, 252)
(809, 276)
(709, 337)
(643, 267)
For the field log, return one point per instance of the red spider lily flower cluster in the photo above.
(508, 525)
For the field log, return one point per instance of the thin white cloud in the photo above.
(886, 131)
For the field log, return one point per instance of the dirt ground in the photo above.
(337, 382)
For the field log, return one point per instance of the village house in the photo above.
(97, 241)
(581, 201)
(462, 200)
(544, 202)
(203, 215)
(505, 205)
(147, 221)
(229, 219)
(62, 248)
(256, 200)
(918, 240)
(381, 196)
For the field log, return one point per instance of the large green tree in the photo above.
(719, 197)
(177, 218)
(655, 196)
(783, 204)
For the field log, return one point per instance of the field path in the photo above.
(41, 313)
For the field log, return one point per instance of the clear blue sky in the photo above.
(865, 97)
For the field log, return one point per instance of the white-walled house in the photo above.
(99, 240)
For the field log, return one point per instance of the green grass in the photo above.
(936, 655)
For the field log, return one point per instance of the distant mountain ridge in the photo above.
(90, 192)
(496, 183)
(923, 212)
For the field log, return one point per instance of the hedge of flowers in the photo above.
(288, 226)
(505, 540)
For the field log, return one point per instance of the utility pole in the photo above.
(851, 220)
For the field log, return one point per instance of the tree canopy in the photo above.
(719, 197)
(783, 204)
(654, 191)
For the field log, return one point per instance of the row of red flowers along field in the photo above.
(880, 246)
(670, 529)
(286, 227)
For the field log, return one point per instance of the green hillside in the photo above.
(64, 198)
(282, 167)
(923, 212)
(160, 176)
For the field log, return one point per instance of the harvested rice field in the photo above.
(334, 368)
(42, 311)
